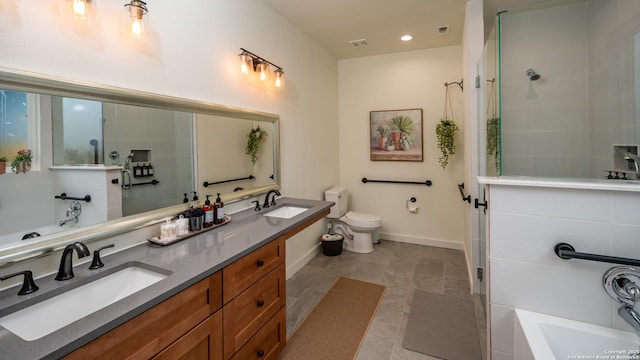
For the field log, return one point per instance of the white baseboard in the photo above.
(422, 241)
(302, 261)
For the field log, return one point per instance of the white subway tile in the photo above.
(502, 322)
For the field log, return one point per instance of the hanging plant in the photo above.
(446, 134)
(493, 140)
(493, 126)
(254, 140)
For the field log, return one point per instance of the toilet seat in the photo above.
(361, 220)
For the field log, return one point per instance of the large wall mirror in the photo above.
(139, 156)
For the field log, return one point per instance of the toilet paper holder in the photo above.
(412, 209)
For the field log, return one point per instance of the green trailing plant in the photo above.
(446, 134)
(403, 124)
(254, 140)
(493, 139)
(4, 159)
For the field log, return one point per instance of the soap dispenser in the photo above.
(208, 213)
(218, 208)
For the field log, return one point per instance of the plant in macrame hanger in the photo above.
(446, 132)
(254, 139)
(493, 126)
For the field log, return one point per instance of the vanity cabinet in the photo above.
(254, 292)
(178, 321)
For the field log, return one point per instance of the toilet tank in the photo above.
(339, 196)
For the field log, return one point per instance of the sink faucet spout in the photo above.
(65, 272)
(636, 162)
(273, 199)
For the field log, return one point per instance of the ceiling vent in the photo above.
(359, 43)
(443, 30)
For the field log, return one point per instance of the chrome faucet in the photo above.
(73, 212)
(273, 199)
(619, 285)
(636, 162)
(65, 272)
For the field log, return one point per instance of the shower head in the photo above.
(532, 74)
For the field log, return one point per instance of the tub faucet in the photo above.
(636, 162)
(620, 285)
(273, 199)
(65, 272)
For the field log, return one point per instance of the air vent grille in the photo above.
(359, 43)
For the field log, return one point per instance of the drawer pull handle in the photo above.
(260, 303)
(260, 263)
(260, 353)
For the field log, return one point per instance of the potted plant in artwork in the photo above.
(389, 145)
(401, 125)
(22, 161)
(406, 142)
(446, 134)
(254, 140)
(382, 131)
(3, 164)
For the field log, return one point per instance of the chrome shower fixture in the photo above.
(532, 74)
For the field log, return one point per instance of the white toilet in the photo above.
(360, 231)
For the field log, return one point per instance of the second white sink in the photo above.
(286, 212)
(45, 317)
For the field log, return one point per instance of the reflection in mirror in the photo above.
(161, 132)
(223, 160)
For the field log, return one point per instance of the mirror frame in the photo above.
(18, 80)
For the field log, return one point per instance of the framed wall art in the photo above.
(396, 135)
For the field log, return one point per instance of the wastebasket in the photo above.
(332, 244)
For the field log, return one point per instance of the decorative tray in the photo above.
(157, 241)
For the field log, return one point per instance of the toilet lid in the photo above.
(360, 217)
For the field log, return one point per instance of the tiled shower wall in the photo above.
(525, 224)
(566, 123)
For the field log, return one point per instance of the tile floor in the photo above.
(402, 268)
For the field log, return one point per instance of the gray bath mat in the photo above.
(442, 326)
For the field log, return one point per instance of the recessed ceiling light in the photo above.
(406, 37)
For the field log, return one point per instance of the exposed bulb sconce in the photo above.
(250, 62)
(80, 7)
(134, 22)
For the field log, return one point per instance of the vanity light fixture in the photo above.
(134, 21)
(251, 62)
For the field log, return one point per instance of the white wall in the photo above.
(525, 273)
(195, 57)
(404, 80)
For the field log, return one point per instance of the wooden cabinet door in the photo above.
(204, 342)
(250, 310)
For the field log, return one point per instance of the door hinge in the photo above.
(477, 81)
(480, 273)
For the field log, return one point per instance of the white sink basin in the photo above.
(286, 212)
(45, 317)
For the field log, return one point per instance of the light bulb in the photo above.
(264, 71)
(80, 8)
(245, 63)
(279, 74)
(137, 27)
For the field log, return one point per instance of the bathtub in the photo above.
(545, 337)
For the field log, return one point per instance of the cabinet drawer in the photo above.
(268, 341)
(250, 310)
(244, 272)
(148, 333)
(203, 342)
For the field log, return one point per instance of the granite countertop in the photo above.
(188, 261)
